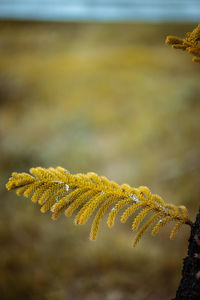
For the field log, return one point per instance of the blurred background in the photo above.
(91, 86)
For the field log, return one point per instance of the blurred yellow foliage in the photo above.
(191, 43)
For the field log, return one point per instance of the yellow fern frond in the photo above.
(58, 190)
(116, 209)
(98, 217)
(145, 227)
(139, 218)
(191, 43)
(87, 210)
(162, 222)
(130, 210)
(175, 229)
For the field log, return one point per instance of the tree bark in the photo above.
(189, 288)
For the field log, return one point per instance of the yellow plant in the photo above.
(58, 190)
(190, 43)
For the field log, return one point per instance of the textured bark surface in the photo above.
(189, 288)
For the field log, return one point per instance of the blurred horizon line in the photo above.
(101, 10)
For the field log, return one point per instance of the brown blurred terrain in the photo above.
(107, 98)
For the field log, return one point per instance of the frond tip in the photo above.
(60, 191)
(191, 43)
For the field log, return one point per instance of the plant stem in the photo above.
(189, 287)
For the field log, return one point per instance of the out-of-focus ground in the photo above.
(108, 98)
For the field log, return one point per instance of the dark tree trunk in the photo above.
(189, 288)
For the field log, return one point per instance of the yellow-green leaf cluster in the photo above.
(191, 43)
(60, 191)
